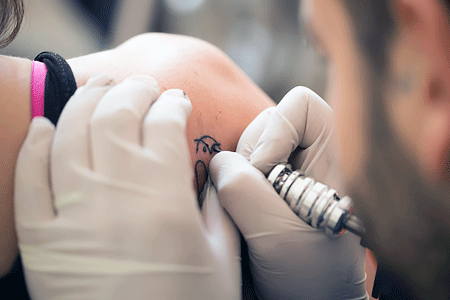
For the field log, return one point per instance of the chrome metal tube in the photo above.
(315, 203)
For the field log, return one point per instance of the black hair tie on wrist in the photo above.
(60, 84)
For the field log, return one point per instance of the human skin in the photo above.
(394, 135)
(224, 102)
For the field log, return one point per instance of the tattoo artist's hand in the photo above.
(289, 259)
(105, 207)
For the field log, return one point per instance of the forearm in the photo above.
(12, 135)
(14, 121)
(11, 142)
(8, 246)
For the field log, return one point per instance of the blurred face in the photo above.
(329, 28)
(382, 146)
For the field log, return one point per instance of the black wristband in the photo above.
(60, 84)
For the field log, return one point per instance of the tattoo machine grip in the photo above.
(315, 203)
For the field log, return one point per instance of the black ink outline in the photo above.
(200, 165)
(215, 147)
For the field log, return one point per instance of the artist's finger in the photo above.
(116, 129)
(32, 193)
(71, 143)
(251, 135)
(164, 136)
(299, 120)
(250, 199)
(276, 143)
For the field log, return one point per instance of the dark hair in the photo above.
(11, 16)
(406, 220)
(373, 25)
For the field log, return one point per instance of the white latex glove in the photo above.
(107, 210)
(302, 121)
(289, 259)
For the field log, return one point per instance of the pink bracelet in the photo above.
(38, 74)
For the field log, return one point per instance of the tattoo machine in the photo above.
(315, 203)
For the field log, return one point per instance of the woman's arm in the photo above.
(14, 119)
(224, 102)
(224, 99)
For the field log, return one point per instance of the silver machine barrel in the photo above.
(315, 203)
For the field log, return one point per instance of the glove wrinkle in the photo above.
(316, 152)
(252, 133)
(277, 141)
(260, 235)
(34, 172)
(68, 263)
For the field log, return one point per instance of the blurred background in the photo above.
(263, 37)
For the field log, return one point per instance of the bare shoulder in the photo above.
(154, 40)
(155, 54)
(164, 52)
(224, 99)
(176, 61)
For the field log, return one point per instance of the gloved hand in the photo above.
(300, 128)
(107, 210)
(289, 259)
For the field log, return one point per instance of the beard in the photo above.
(407, 220)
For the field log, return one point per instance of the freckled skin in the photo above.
(224, 102)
